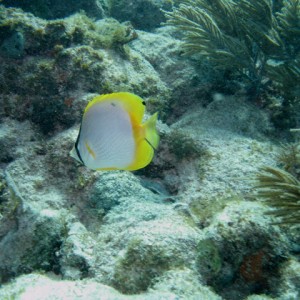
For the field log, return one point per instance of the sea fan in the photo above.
(281, 191)
(234, 42)
(289, 26)
(259, 46)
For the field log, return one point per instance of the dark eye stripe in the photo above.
(76, 146)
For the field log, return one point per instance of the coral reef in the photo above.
(185, 227)
(65, 59)
(259, 252)
(144, 14)
(55, 9)
(107, 227)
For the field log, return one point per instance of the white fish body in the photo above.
(112, 136)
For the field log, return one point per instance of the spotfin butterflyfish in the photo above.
(112, 135)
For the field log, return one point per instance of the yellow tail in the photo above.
(151, 134)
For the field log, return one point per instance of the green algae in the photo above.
(204, 210)
(10, 197)
(183, 145)
(141, 264)
(209, 260)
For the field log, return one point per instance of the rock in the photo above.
(111, 187)
(143, 14)
(185, 283)
(290, 280)
(13, 46)
(65, 60)
(259, 251)
(76, 253)
(32, 244)
(42, 287)
(12, 143)
(55, 9)
(188, 83)
(155, 241)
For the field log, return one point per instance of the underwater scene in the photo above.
(150, 149)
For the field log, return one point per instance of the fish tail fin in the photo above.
(151, 134)
(147, 142)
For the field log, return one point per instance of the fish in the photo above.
(112, 135)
